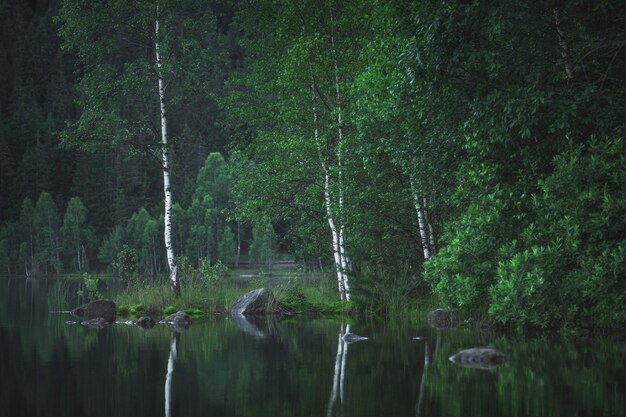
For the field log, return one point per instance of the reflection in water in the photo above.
(340, 368)
(49, 368)
(171, 364)
(420, 398)
(261, 326)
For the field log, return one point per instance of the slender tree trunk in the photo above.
(57, 248)
(330, 215)
(238, 245)
(345, 261)
(431, 233)
(565, 53)
(31, 247)
(169, 249)
(78, 257)
(421, 222)
(339, 264)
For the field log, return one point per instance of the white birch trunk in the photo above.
(169, 248)
(330, 215)
(420, 219)
(345, 261)
(431, 233)
(339, 263)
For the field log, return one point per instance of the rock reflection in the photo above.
(257, 326)
(479, 358)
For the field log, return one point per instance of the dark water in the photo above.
(295, 367)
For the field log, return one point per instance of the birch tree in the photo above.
(139, 61)
(314, 50)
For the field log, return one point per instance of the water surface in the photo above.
(295, 367)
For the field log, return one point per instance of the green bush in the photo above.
(212, 274)
(464, 269)
(568, 268)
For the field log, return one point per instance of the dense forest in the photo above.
(469, 149)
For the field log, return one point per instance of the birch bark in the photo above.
(421, 222)
(345, 261)
(330, 215)
(431, 233)
(169, 248)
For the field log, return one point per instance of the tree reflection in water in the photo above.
(171, 364)
(340, 369)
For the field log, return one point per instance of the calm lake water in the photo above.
(295, 367)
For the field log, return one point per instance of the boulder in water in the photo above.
(104, 309)
(480, 358)
(259, 301)
(179, 320)
(440, 318)
(144, 322)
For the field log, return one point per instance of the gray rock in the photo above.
(97, 323)
(480, 358)
(179, 320)
(144, 322)
(104, 309)
(259, 301)
(351, 338)
(440, 318)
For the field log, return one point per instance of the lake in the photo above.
(294, 367)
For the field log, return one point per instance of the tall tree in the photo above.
(48, 236)
(124, 47)
(74, 232)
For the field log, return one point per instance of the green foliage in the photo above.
(4, 256)
(567, 268)
(185, 268)
(227, 250)
(212, 274)
(111, 246)
(48, 235)
(169, 310)
(264, 245)
(91, 283)
(75, 233)
(126, 263)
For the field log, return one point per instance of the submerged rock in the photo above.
(259, 301)
(351, 338)
(97, 323)
(480, 358)
(104, 309)
(440, 318)
(179, 320)
(145, 322)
